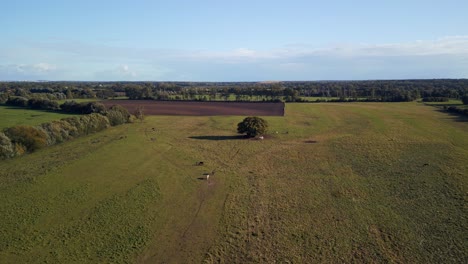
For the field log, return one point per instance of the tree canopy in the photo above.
(252, 126)
(465, 99)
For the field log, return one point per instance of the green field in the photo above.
(332, 183)
(12, 116)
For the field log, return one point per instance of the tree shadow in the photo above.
(219, 137)
(457, 117)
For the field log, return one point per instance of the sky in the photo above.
(240, 40)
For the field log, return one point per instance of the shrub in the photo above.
(82, 108)
(84, 125)
(59, 131)
(96, 107)
(7, 148)
(79, 127)
(92, 123)
(30, 137)
(118, 115)
(17, 101)
(69, 107)
(43, 104)
(97, 122)
(3, 98)
(139, 113)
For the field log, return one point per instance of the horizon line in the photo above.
(263, 81)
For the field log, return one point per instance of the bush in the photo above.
(97, 122)
(82, 108)
(69, 107)
(7, 148)
(92, 123)
(43, 104)
(59, 131)
(3, 98)
(18, 101)
(118, 115)
(30, 137)
(76, 123)
(139, 113)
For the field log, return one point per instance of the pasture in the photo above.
(12, 116)
(360, 182)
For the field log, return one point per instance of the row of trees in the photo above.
(381, 90)
(71, 107)
(16, 141)
(34, 103)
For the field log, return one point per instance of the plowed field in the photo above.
(201, 108)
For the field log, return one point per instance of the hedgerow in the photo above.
(17, 140)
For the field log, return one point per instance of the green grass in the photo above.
(12, 116)
(382, 183)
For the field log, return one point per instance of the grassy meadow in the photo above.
(331, 183)
(12, 116)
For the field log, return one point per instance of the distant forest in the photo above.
(288, 91)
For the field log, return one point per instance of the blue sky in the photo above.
(233, 40)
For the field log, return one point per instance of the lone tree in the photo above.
(252, 126)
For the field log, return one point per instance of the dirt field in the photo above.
(200, 108)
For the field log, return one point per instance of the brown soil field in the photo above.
(187, 108)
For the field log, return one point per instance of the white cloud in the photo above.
(457, 46)
(38, 68)
(124, 70)
(43, 67)
(443, 46)
(452, 45)
(119, 72)
(443, 57)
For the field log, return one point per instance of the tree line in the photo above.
(325, 91)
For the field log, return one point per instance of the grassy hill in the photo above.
(361, 182)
